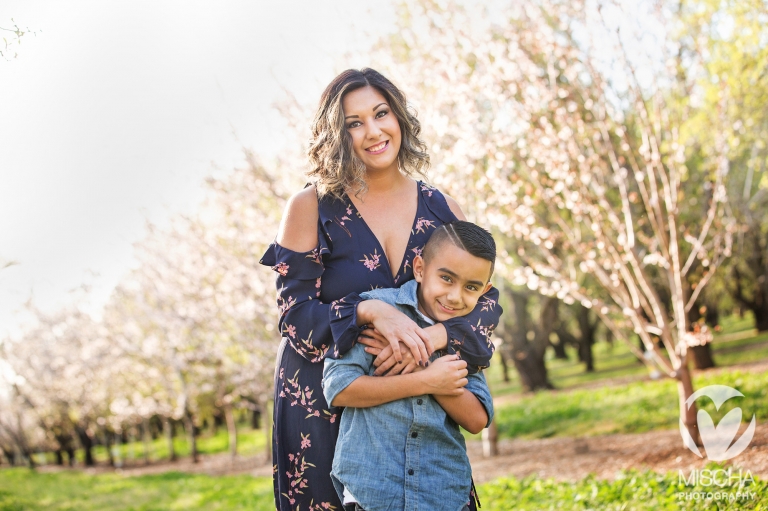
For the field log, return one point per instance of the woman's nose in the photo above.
(373, 131)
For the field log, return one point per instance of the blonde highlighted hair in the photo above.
(334, 167)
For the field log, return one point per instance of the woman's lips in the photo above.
(378, 148)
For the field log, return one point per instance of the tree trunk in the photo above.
(687, 415)
(189, 425)
(86, 442)
(59, 457)
(491, 440)
(761, 317)
(559, 348)
(146, 436)
(268, 425)
(588, 330)
(256, 419)
(108, 446)
(229, 415)
(168, 427)
(702, 356)
(528, 356)
(504, 359)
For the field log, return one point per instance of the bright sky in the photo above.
(114, 112)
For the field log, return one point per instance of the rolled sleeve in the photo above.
(339, 373)
(477, 385)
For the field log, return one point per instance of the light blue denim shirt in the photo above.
(403, 455)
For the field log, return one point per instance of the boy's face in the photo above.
(451, 282)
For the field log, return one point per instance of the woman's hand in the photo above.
(385, 362)
(396, 328)
(446, 376)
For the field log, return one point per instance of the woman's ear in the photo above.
(418, 268)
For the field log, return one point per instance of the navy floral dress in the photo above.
(347, 260)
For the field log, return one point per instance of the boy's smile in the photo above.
(450, 282)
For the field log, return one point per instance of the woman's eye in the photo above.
(381, 113)
(353, 124)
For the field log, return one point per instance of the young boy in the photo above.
(409, 453)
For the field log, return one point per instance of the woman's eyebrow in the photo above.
(374, 109)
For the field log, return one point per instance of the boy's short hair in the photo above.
(465, 235)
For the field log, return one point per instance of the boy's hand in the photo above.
(446, 376)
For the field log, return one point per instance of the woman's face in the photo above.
(373, 127)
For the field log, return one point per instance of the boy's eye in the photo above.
(445, 278)
(472, 288)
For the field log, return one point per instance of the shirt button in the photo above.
(419, 401)
(410, 471)
(414, 434)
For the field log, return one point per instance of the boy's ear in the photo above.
(488, 286)
(418, 268)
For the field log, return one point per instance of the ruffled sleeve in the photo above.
(304, 319)
(468, 336)
(344, 324)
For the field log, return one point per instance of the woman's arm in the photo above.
(296, 257)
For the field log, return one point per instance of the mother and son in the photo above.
(386, 310)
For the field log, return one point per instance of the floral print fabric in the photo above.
(312, 287)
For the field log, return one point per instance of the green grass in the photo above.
(628, 408)
(24, 490)
(630, 491)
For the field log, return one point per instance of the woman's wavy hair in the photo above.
(334, 167)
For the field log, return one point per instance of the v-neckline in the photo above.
(359, 215)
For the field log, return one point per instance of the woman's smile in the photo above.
(378, 148)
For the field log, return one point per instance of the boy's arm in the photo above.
(346, 381)
(473, 409)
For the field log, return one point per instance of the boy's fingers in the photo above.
(396, 351)
(385, 355)
(385, 366)
(409, 368)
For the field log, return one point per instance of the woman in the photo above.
(338, 237)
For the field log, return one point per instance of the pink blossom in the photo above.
(305, 443)
(281, 268)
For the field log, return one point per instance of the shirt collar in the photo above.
(408, 297)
